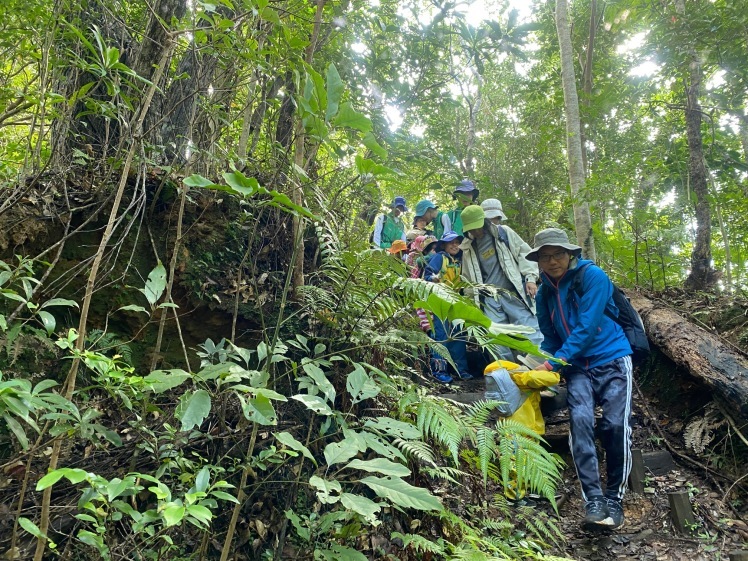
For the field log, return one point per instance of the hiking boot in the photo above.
(465, 375)
(596, 515)
(615, 512)
(442, 377)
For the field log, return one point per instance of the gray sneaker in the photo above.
(596, 515)
(615, 512)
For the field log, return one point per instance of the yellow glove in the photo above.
(535, 379)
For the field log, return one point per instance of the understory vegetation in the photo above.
(322, 438)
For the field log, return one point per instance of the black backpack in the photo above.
(628, 318)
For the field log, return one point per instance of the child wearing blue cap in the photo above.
(444, 266)
(426, 211)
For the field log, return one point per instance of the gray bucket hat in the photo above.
(552, 237)
(493, 209)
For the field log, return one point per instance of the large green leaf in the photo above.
(287, 439)
(173, 514)
(160, 381)
(362, 505)
(371, 143)
(313, 402)
(155, 285)
(31, 528)
(335, 89)
(393, 427)
(380, 465)
(74, 475)
(303, 531)
(339, 452)
(382, 447)
(366, 166)
(348, 117)
(328, 491)
(320, 378)
(260, 410)
(360, 385)
(341, 553)
(48, 321)
(400, 493)
(193, 408)
(59, 302)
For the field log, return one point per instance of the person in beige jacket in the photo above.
(495, 255)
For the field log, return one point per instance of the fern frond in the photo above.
(416, 450)
(436, 422)
(467, 552)
(485, 442)
(420, 544)
(479, 413)
(447, 473)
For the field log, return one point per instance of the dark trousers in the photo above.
(609, 386)
(454, 340)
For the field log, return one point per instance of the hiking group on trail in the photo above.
(583, 324)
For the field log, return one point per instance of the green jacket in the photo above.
(387, 229)
(448, 221)
(511, 258)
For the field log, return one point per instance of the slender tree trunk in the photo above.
(587, 81)
(582, 218)
(69, 386)
(298, 191)
(702, 275)
(474, 107)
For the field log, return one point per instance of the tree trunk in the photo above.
(702, 275)
(88, 124)
(189, 130)
(474, 108)
(720, 367)
(582, 218)
(587, 80)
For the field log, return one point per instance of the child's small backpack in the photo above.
(501, 387)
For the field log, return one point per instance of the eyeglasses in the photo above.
(558, 256)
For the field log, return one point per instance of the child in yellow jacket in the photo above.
(530, 384)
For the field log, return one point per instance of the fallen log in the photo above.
(721, 368)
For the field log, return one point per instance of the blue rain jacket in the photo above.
(576, 330)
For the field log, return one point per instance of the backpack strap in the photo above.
(503, 236)
(576, 286)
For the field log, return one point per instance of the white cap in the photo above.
(492, 209)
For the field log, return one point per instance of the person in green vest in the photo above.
(389, 227)
(466, 193)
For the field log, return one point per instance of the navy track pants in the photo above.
(609, 386)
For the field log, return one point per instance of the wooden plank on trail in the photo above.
(636, 478)
(719, 366)
(680, 511)
(658, 462)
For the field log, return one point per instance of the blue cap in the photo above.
(399, 201)
(423, 206)
(467, 186)
(451, 235)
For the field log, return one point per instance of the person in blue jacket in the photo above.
(594, 357)
(445, 267)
